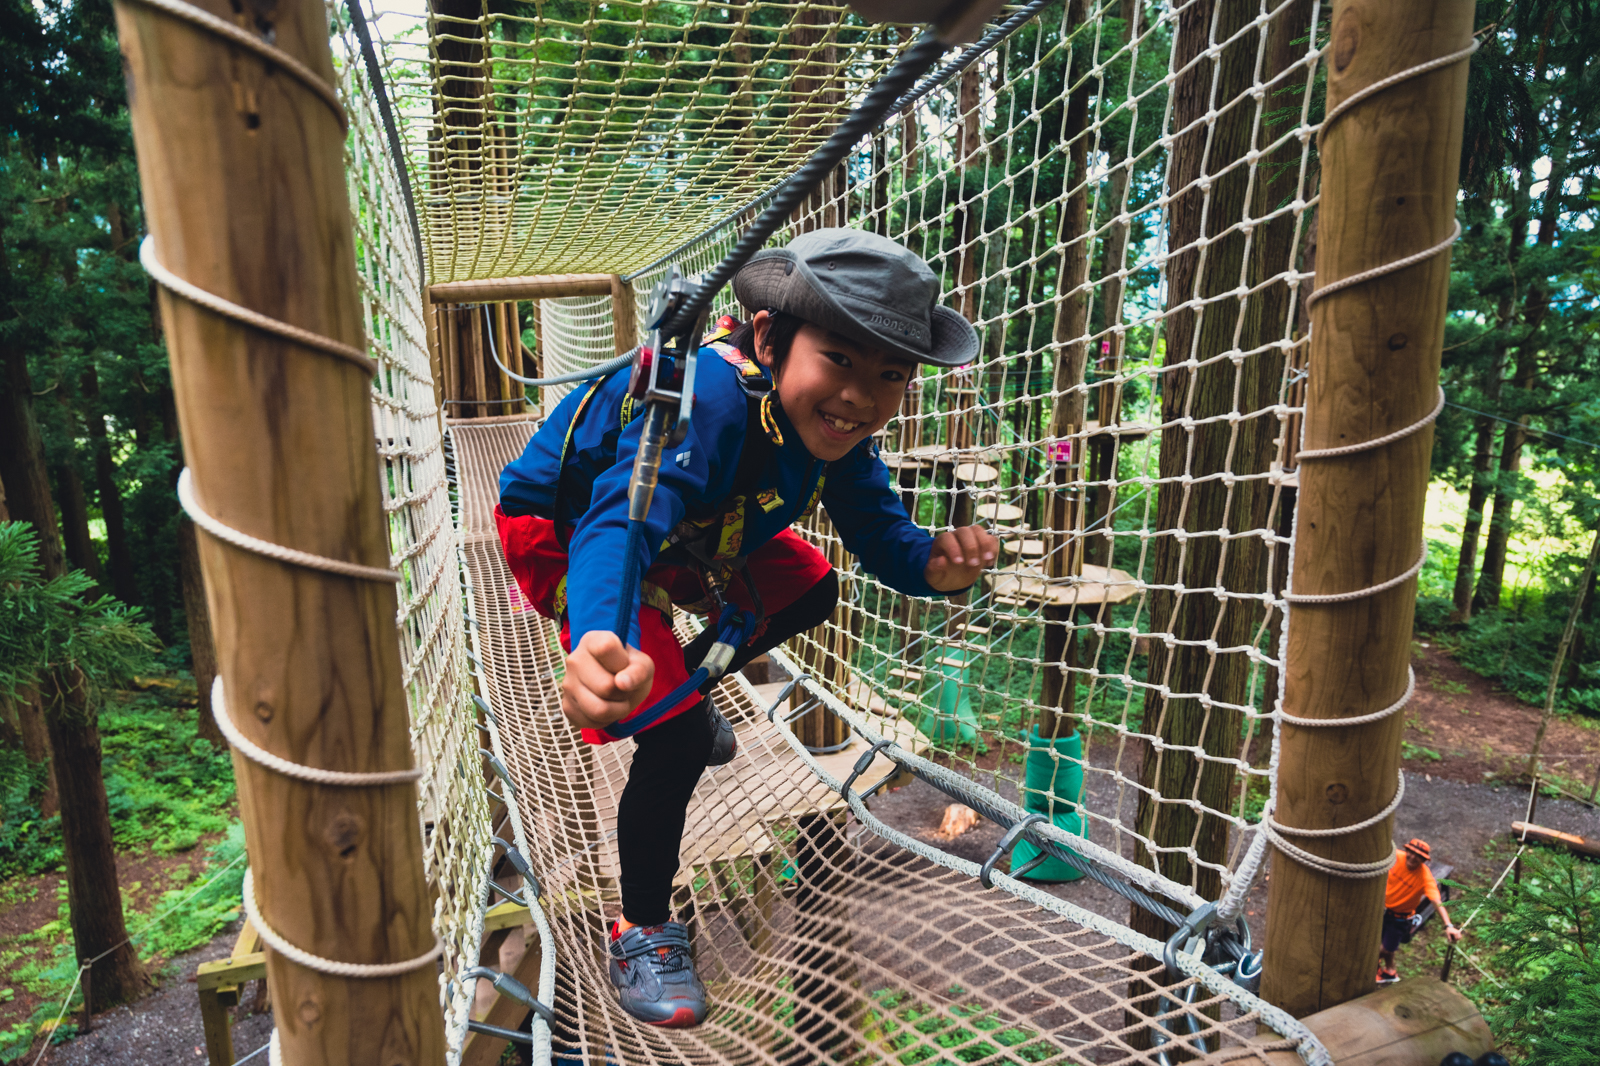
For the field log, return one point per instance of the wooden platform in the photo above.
(1026, 584)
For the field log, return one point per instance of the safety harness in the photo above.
(710, 543)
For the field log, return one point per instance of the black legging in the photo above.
(669, 759)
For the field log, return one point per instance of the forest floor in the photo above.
(1465, 747)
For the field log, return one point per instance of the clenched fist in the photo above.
(606, 681)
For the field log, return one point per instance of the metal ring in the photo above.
(985, 875)
(861, 767)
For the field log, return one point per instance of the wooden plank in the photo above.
(1416, 1022)
(1390, 169)
(218, 1033)
(534, 287)
(506, 915)
(258, 213)
(232, 971)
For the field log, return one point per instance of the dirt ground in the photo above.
(1466, 744)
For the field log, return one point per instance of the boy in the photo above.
(1410, 881)
(785, 409)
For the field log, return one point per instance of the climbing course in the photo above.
(1123, 197)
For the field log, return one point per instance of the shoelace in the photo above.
(666, 950)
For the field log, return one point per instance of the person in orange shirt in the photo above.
(1410, 881)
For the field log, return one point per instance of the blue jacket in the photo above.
(696, 478)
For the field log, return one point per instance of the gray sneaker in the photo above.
(724, 744)
(654, 976)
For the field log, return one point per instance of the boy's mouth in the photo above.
(839, 425)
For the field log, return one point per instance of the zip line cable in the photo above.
(358, 22)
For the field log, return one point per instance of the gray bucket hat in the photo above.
(861, 286)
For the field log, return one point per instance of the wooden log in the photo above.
(1541, 835)
(533, 287)
(1416, 1022)
(242, 174)
(1389, 191)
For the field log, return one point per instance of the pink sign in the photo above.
(1061, 451)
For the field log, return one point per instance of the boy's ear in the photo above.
(762, 324)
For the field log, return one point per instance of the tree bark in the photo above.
(22, 465)
(99, 932)
(1472, 527)
(202, 649)
(75, 520)
(1496, 547)
(1202, 562)
(119, 553)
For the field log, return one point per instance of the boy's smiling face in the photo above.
(835, 391)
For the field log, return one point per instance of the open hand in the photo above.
(959, 556)
(606, 681)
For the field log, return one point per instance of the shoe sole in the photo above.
(682, 1018)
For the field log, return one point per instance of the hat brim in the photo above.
(776, 279)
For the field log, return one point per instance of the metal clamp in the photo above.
(499, 769)
(505, 984)
(522, 866)
(1013, 834)
(483, 705)
(785, 693)
(861, 767)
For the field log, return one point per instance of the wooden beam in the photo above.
(1389, 191)
(242, 174)
(534, 287)
(1416, 1022)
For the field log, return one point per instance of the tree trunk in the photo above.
(118, 551)
(1491, 579)
(22, 465)
(36, 746)
(1580, 592)
(1177, 775)
(75, 520)
(1472, 527)
(202, 650)
(93, 895)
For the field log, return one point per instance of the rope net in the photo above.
(423, 542)
(1120, 196)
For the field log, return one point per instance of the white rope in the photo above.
(1365, 719)
(1358, 594)
(292, 556)
(1420, 69)
(228, 309)
(257, 754)
(1387, 268)
(1355, 871)
(1376, 442)
(331, 967)
(228, 31)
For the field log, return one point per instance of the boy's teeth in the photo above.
(840, 424)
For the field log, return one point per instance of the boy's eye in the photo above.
(838, 358)
(893, 375)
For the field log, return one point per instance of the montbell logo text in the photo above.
(896, 325)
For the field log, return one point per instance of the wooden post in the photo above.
(1389, 191)
(242, 172)
(624, 316)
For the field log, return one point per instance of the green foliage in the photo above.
(167, 787)
(52, 627)
(190, 915)
(1544, 935)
